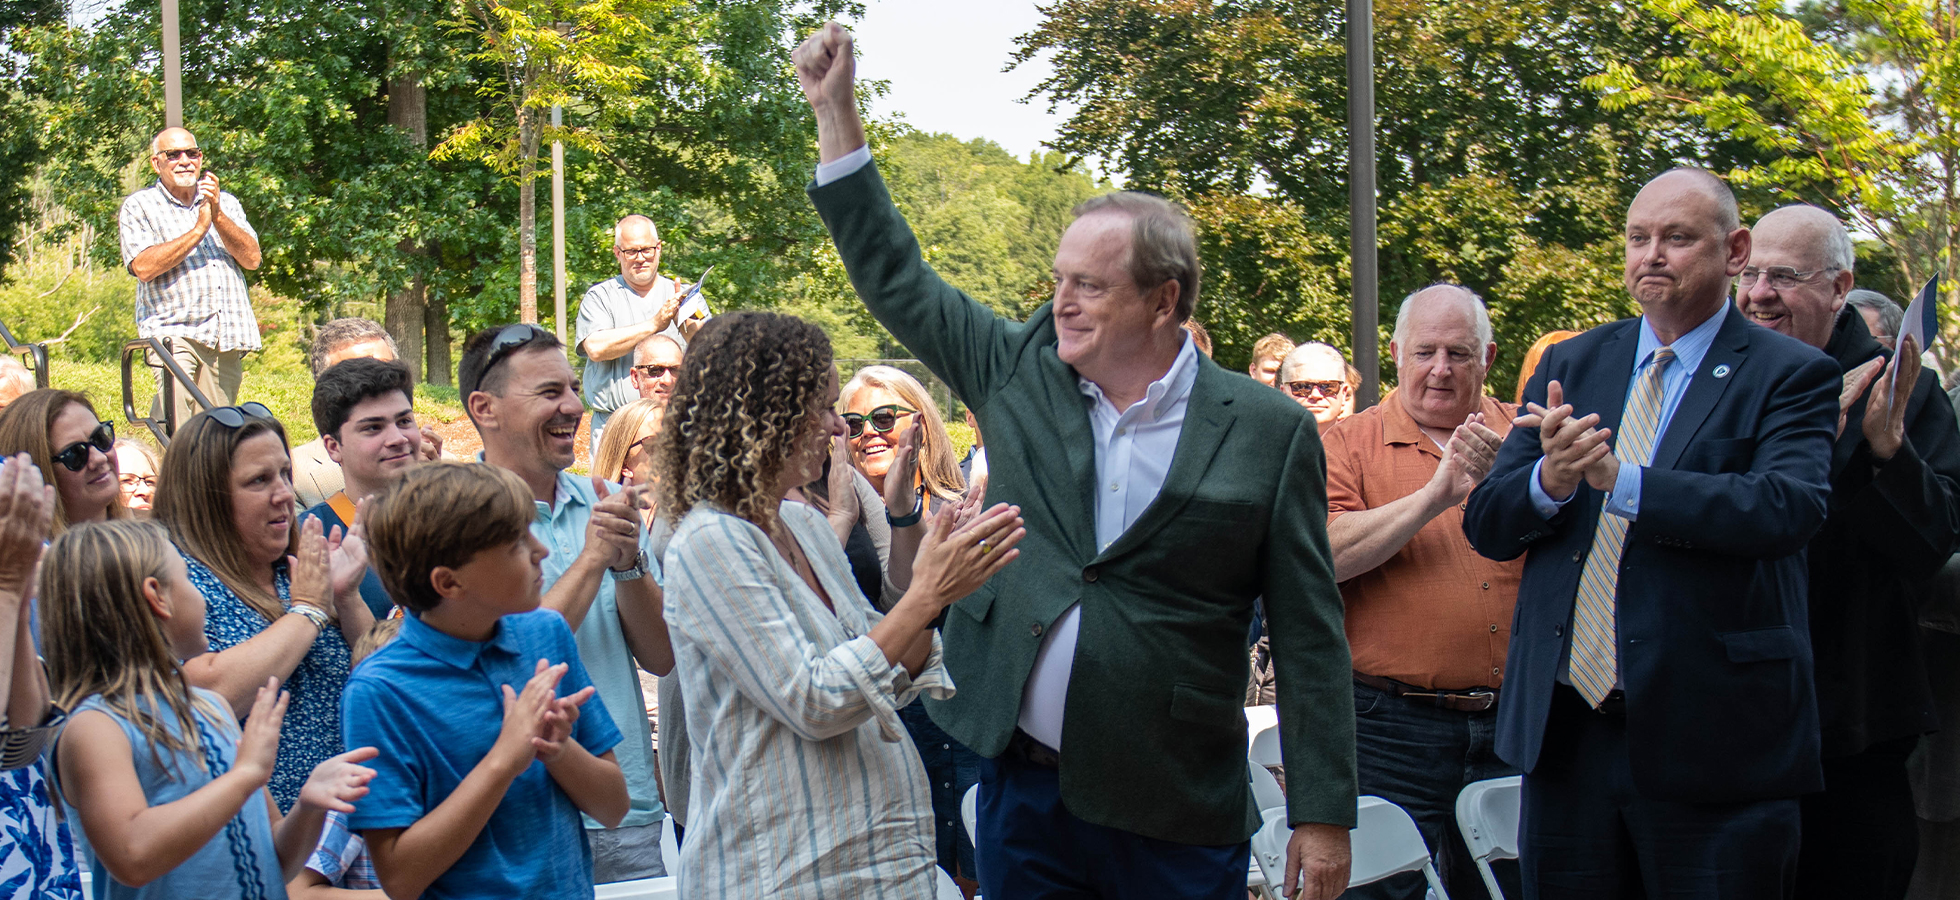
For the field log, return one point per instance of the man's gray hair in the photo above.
(345, 333)
(1478, 311)
(621, 225)
(1162, 245)
(1889, 314)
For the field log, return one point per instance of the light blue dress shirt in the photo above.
(1624, 499)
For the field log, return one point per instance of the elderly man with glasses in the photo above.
(1895, 478)
(620, 313)
(188, 244)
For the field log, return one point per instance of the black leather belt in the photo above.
(1478, 699)
(1023, 748)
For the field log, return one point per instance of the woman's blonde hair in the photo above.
(746, 397)
(193, 500)
(101, 637)
(24, 428)
(621, 431)
(939, 468)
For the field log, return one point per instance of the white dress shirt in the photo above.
(1133, 454)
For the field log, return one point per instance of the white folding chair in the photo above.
(643, 889)
(1487, 814)
(1262, 735)
(970, 809)
(947, 888)
(1384, 842)
(670, 847)
(1270, 799)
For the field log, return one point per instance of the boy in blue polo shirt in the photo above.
(459, 809)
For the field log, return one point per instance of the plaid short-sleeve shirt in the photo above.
(204, 298)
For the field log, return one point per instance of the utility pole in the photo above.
(1361, 199)
(558, 227)
(173, 69)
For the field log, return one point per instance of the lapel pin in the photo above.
(1722, 371)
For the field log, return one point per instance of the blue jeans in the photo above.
(1419, 757)
(950, 769)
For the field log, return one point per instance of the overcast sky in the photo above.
(944, 60)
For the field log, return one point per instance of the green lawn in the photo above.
(288, 394)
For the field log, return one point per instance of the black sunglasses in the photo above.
(656, 371)
(883, 420)
(74, 457)
(234, 416)
(508, 341)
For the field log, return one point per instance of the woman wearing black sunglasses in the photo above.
(60, 430)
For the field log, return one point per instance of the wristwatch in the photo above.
(634, 573)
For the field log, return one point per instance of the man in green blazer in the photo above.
(1102, 673)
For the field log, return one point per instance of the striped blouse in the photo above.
(804, 783)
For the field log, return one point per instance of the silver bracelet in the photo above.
(312, 614)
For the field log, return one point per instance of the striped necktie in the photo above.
(1595, 662)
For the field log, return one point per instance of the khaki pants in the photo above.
(216, 372)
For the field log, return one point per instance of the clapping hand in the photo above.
(614, 529)
(1575, 449)
(347, 557)
(26, 509)
(525, 715)
(558, 722)
(901, 492)
(955, 559)
(312, 568)
(1467, 458)
(258, 742)
(338, 781)
(1885, 412)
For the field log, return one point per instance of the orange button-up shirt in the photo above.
(1436, 614)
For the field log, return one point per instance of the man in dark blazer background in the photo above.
(1662, 485)
(1892, 525)
(1103, 673)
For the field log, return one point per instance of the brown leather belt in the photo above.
(1478, 699)
(1026, 749)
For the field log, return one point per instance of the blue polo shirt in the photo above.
(433, 705)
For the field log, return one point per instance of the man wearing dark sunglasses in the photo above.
(1162, 495)
(656, 366)
(618, 314)
(188, 244)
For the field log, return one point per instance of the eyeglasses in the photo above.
(639, 252)
(174, 155)
(1305, 389)
(1781, 277)
(235, 416)
(74, 457)
(883, 420)
(132, 480)
(507, 342)
(657, 371)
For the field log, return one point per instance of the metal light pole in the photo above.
(558, 228)
(1361, 199)
(173, 77)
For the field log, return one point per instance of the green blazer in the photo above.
(1154, 733)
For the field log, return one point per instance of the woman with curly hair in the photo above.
(804, 784)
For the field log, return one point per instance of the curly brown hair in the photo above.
(746, 396)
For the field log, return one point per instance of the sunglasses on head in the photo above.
(235, 416)
(883, 419)
(74, 457)
(508, 341)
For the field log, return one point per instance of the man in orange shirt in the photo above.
(1427, 617)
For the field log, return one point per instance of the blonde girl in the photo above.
(170, 792)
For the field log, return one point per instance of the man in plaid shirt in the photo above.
(188, 244)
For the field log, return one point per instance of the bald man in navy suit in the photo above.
(1662, 484)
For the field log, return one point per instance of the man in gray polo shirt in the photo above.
(618, 313)
(188, 244)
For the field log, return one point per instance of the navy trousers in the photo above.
(1586, 833)
(1032, 848)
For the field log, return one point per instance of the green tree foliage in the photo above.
(988, 222)
(1497, 167)
(1852, 104)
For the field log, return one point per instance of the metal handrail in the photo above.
(167, 387)
(33, 356)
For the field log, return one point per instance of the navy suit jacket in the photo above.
(1714, 641)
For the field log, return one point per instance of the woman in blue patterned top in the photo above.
(282, 602)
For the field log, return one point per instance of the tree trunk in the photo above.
(435, 320)
(527, 215)
(407, 309)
